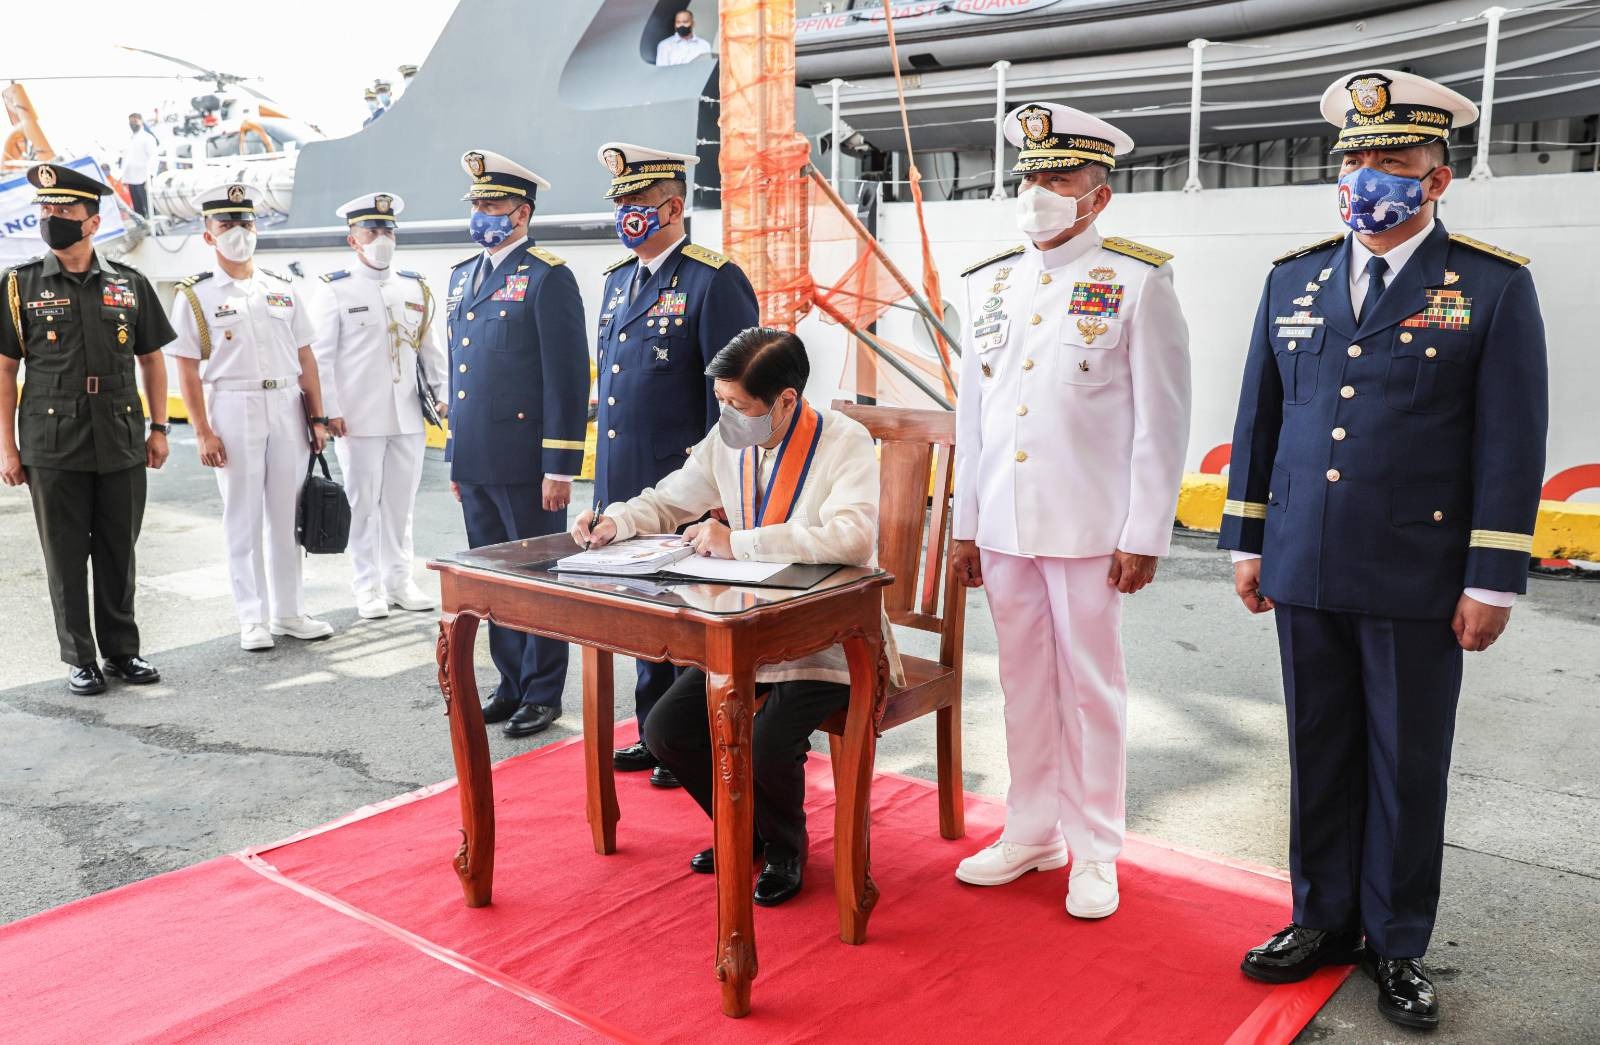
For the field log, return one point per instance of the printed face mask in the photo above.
(490, 230)
(1376, 201)
(637, 223)
(237, 244)
(1042, 214)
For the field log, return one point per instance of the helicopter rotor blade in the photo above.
(220, 78)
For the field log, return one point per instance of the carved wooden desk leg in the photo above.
(469, 744)
(730, 701)
(599, 714)
(853, 885)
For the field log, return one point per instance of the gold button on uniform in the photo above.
(622, 337)
(462, 368)
(1022, 455)
(1044, 278)
(502, 313)
(471, 316)
(521, 416)
(461, 394)
(1022, 411)
(465, 342)
(1339, 434)
(1036, 319)
(1405, 337)
(1348, 392)
(1438, 517)
(611, 433)
(1354, 351)
(1333, 475)
(1431, 352)
(1293, 345)
(1027, 364)
(50, 410)
(611, 400)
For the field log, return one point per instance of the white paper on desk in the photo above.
(727, 571)
(640, 556)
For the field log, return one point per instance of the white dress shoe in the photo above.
(411, 597)
(1005, 862)
(302, 628)
(371, 605)
(1092, 889)
(254, 637)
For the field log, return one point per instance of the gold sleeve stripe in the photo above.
(1245, 509)
(1502, 541)
(577, 444)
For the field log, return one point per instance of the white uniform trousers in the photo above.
(263, 433)
(1059, 626)
(381, 476)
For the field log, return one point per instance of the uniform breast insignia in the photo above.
(609, 269)
(1095, 299)
(1325, 274)
(1102, 274)
(53, 307)
(1451, 278)
(280, 301)
(516, 289)
(670, 303)
(704, 256)
(1446, 310)
(1311, 248)
(1304, 301)
(415, 306)
(991, 259)
(329, 277)
(994, 304)
(1489, 249)
(1083, 364)
(1136, 251)
(1091, 327)
(122, 335)
(553, 260)
(661, 354)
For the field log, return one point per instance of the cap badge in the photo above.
(235, 193)
(47, 177)
(1035, 120)
(382, 202)
(1369, 94)
(615, 163)
(475, 164)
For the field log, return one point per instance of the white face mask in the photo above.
(237, 244)
(1042, 214)
(379, 252)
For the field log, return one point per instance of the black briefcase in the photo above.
(322, 523)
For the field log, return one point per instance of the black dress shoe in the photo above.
(134, 670)
(1296, 952)
(86, 680)
(635, 758)
(779, 882)
(499, 709)
(530, 719)
(661, 776)
(1405, 994)
(705, 861)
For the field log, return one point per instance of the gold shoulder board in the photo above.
(545, 256)
(1489, 248)
(991, 259)
(1309, 248)
(609, 269)
(1137, 251)
(704, 256)
(198, 277)
(278, 276)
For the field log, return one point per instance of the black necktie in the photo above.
(640, 278)
(485, 266)
(1377, 268)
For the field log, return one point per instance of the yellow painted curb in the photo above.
(1566, 529)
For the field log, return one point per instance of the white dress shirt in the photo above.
(257, 327)
(681, 50)
(139, 157)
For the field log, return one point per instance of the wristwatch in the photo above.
(319, 420)
(160, 426)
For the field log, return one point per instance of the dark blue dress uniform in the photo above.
(1380, 467)
(519, 399)
(654, 343)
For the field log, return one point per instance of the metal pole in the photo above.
(999, 68)
(1198, 46)
(1491, 58)
(833, 175)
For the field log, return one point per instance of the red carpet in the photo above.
(582, 947)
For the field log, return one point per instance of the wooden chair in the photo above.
(913, 544)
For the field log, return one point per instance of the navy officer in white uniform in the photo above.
(1382, 492)
(669, 307)
(519, 404)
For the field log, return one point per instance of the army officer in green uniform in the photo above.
(81, 323)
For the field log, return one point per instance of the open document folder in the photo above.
(667, 555)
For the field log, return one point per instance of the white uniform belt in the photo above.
(250, 384)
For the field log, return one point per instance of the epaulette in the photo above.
(469, 259)
(609, 269)
(408, 274)
(553, 260)
(329, 277)
(274, 275)
(705, 255)
(1488, 248)
(25, 264)
(1309, 248)
(198, 277)
(1137, 251)
(991, 259)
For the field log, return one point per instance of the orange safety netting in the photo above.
(865, 290)
(763, 159)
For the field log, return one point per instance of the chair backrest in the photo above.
(915, 495)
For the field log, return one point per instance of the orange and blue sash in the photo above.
(773, 505)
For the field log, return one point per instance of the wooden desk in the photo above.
(725, 631)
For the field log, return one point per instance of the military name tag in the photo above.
(1446, 310)
(224, 313)
(516, 289)
(39, 308)
(357, 308)
(1288, 332)
(114, 296)
(671, 303)
(1095, 299)
(280, 301)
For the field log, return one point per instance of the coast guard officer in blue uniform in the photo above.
(1382, 493)
(669, 308)
(519, 400)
